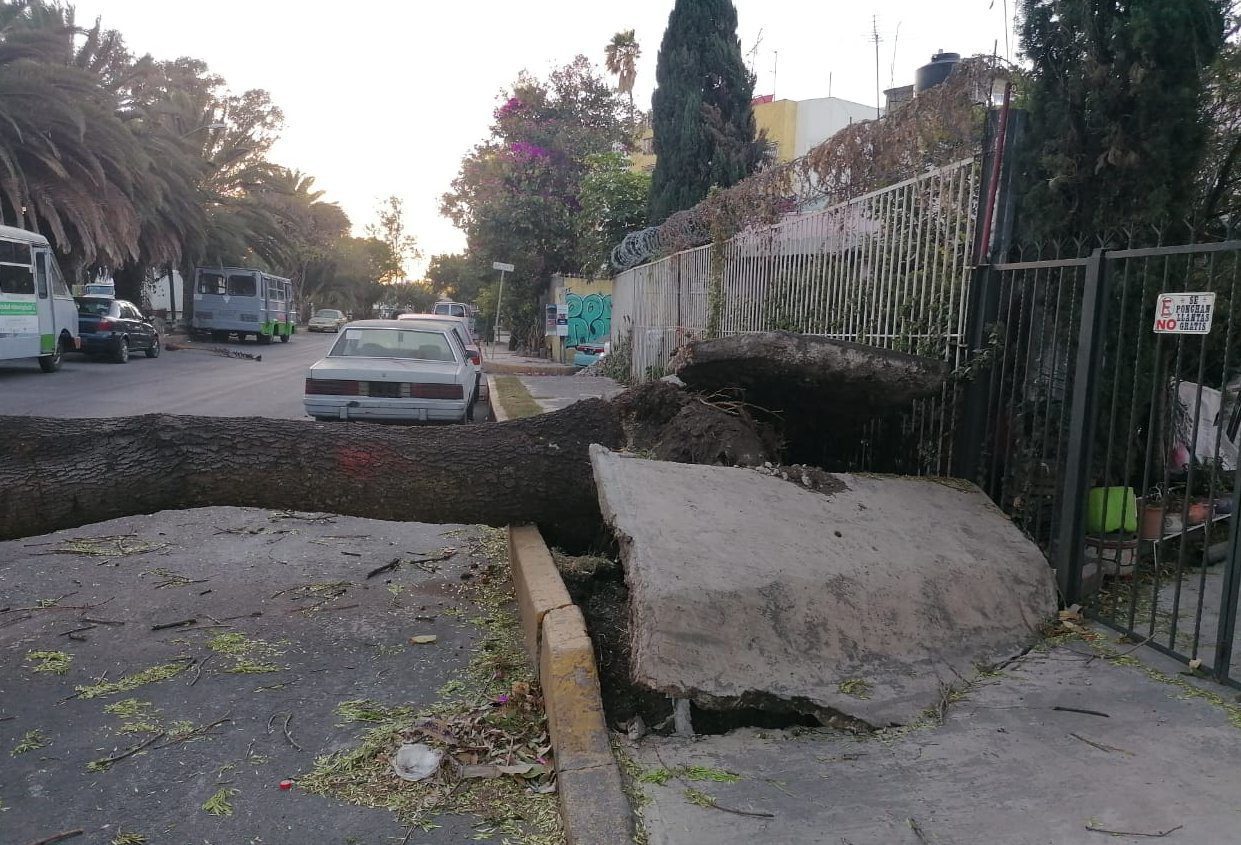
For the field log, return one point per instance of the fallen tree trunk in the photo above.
(62, 473)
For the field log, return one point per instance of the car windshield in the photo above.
(419, 344)
(328, 313)
(95, 307)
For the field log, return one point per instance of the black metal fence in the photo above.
(1113, 445)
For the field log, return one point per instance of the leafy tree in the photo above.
(702, 115)
(1220, 200)
(517, 196)
(621, 59)
(402, 247)
(457, 277)
(1117, 132)
(614, 197)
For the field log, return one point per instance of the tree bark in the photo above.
(63, 473)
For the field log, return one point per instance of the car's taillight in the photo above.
(105, 325)
(331, 387)
(476, 358)
(436, 391)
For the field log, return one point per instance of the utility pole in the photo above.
(775, 69)
(874, 34)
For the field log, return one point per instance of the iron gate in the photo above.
(1115, 447)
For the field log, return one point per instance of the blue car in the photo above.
(587, 354)
(112, 328)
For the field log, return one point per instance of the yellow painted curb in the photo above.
(493, 399)
(592, 800)
(539, 586)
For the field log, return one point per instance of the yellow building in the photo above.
(794, 127)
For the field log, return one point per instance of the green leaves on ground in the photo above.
(53, 662)
(218, 804)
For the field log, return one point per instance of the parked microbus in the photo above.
(242, 301)
(38, 317)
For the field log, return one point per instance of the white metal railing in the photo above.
(890, 269)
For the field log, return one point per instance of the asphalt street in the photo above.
(184, 382)
(190, 381)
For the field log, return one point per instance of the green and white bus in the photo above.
(242, 301)
(38, 317)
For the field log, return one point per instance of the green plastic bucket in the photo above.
(1110, 510)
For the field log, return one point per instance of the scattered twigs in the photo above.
(73, 631)
(116, 758)
(917, 829)
(59, 837)
(202, 730)
(423, 561)
(199, 673)
(181, 623)
(288, 735)
(387, 567)
(1101, 746)
(1080, 710)
(1156, 835)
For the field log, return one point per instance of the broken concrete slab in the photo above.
(863, 599)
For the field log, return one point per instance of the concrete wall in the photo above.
(821, 118)
(589, 306)
(780, 119)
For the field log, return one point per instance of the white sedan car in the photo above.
(326, 320)
(389, 371)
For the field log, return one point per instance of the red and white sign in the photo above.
(1184, 313)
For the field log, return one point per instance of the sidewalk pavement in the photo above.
(556, 392)
(498, 360)
(1060, 748)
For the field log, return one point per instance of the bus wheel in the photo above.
(50, 363)
(263, 338)
(219, 337)
(284, 338)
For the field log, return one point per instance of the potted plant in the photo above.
(1154, 514)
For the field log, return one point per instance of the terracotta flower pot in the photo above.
(1153, 517)
(1199, 512)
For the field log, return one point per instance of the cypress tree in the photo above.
(1116, 132)
(702, 115)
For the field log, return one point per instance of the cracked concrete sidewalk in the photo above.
(1005, 767)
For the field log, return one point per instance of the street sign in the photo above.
(1184, 313)
(500, 265)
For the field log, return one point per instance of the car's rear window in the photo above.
(453, 309)
(329, 313)
(423, 345)
(95, 307)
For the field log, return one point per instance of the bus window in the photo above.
(274, 291)
(239, 285)
(212, 283)
(40, 266)
(59, 287)
(12, 252)
(16, 279)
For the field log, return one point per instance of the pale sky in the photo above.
(387, 96)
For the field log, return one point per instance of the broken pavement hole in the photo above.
(596, 584)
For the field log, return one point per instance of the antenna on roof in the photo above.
(874, 36)
(896, 39)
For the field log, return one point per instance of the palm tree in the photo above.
(621, 59)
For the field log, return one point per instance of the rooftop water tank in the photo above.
(930, 75)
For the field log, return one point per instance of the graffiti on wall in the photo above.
(590, 318)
